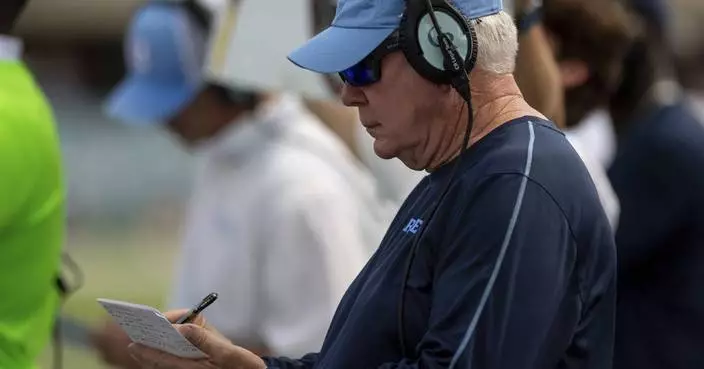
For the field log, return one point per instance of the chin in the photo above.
(383, 152)
(410, 161)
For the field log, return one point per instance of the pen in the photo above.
(207, 300)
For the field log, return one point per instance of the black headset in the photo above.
(440, 44)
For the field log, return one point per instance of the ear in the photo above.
(573, 72)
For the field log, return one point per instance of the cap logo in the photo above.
(141, 56)
(433, 37)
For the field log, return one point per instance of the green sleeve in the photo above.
(32, 197)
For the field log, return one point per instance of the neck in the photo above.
(234, 114)
(496, 99)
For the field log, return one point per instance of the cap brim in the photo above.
(137, 101)
(337, 48)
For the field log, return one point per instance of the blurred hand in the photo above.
(222, 354)
(111, 343)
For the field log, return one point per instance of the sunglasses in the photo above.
(368, 70)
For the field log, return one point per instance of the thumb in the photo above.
(206, 341)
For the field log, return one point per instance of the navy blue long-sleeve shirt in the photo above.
(520, 238)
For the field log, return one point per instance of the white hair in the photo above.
(497, 39)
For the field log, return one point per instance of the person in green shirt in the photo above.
(32, 200)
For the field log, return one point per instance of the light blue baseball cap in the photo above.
(165, 51)
(360, 26)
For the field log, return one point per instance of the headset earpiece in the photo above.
(420, 44)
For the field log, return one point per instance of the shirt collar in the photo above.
(10, 48)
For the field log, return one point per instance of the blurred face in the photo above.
(200, 120)
(401, 111)
(573, 72)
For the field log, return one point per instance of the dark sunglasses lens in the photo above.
(358, 75)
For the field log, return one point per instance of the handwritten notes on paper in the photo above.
(149, 327)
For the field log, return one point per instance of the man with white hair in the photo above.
(501, 257)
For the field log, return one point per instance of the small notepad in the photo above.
(149, 327)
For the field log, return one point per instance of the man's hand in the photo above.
(222, 354)
(111, 343)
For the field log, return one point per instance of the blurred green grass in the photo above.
(135, 267)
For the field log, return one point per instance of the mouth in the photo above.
(371, 127)
(368, 124)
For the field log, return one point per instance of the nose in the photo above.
(353, 96)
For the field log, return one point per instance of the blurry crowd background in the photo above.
(128, 185)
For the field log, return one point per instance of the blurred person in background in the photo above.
(588, 78)
(32, 205)
(558, 66)
(277, 220)
(686, 29)
(536, 72)
(657, 174)
(589, 40)
(243, 28)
